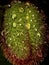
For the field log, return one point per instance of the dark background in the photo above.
(42, 4)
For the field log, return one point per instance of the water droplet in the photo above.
(13, 16)
(19, 24)
(35, 29)
(21, 9)
(27, 25)
(20, 19)
(9, 5)
(38, 34)
(33, 26)
(27, 3)
(32, 15)
(27, 17)
(31, 20)
(14, 24)
(29, 11)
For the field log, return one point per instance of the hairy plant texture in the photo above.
(23, 34)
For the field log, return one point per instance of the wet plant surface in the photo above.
(41, 4)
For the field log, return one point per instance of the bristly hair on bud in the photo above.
(24, 33)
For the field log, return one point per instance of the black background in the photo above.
(43, 4)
